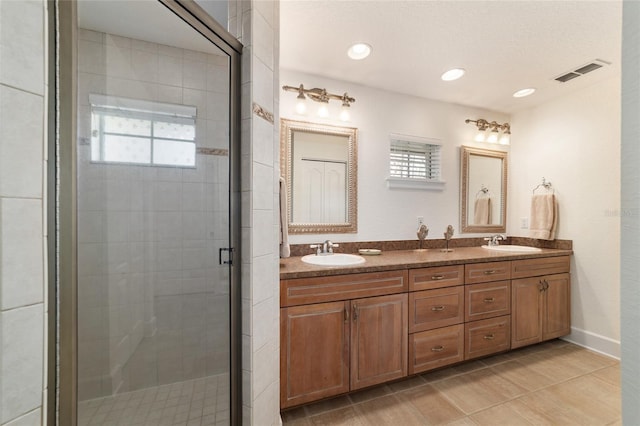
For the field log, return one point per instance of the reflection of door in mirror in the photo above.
(319, 178)
(484, 201)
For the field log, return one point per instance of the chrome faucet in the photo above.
(324, 248)
(494, 240)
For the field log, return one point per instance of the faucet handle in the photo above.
(318, 248)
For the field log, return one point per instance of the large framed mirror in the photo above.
(319, 165)
(483, 190)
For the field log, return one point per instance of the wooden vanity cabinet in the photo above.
(314, 363)
(329, 347)
(541, 300)
(487, 328)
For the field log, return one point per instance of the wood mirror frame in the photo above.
(468, 190)
(288, 130)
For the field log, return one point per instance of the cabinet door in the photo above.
(526, 311)
(557, 315)
(378, 340)
(314, 358)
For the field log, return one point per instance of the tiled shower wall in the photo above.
(152, 299)
(256, 24)
(23, 162)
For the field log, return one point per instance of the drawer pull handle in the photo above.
(437, 308)
(490, 272)
(438, 348)
(489, 337)
(489, 300)
(355, 312)
(437, 277)
(346, 315)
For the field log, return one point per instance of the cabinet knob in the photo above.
(437, 308)
(438, 348)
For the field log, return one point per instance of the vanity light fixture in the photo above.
(323, 97)
(490, 131)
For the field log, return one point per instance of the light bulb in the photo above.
(493, 137)
(504, 140)
(301, 106)
(480, 136)
(359, 51)
(323, 111)
(452, 74)
(345, 115)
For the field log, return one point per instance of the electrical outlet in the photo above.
(524, 223)
(420, 221)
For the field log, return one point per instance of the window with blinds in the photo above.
(133, 131)
(414, 162)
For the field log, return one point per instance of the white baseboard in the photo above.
(595, 342)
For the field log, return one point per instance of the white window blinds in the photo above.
(414, 160)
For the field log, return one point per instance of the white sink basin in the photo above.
(509, 247)
(336, 259)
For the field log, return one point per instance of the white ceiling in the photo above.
(503, 45)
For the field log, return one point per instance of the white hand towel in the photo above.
(544, 217)
(482, 211)
(285, 250)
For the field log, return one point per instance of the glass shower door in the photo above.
(153, 186)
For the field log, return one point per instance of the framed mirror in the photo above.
(319, 165)
(483, 190)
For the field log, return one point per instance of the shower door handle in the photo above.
(225, 262)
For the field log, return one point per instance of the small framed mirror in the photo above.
(319, 165)
(483, 190)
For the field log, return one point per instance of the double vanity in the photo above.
(404, 312)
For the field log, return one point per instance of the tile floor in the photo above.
(199, 402)
(551, 383)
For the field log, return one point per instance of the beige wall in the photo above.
(574, 142)
(23, 89)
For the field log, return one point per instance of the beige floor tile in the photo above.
(478, 390)
(610, 375)
(297, 422)
(342, 417)
(465, 421)
(293, 414)
(456, 370)
(519, 373)
(501, 414)
(328, 405)
(368, 394)
(435, 408)
(389, 411)
(407, 384)
(539, 409)
(584, 359)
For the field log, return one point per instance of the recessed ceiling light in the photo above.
(524, 92)
(453, 74)
(359, 51)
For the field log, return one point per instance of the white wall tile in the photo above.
(21, 147)
(33, 418)
(21, 252)
(263, 40)
(22, 53)
(22, 360)
(170, 70)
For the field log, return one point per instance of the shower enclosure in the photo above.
(155, 182)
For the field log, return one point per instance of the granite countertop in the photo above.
(293, 267)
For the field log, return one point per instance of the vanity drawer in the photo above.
(486, 337)
(302, 291)
(436, 348)
(431, 309)
(488, 271)
(487, 300)
(540, 266)
(436, 277)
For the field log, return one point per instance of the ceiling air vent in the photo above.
(592, 66)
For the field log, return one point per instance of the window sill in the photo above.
(420, 184)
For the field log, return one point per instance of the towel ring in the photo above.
(546, 185)
(484, 191)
